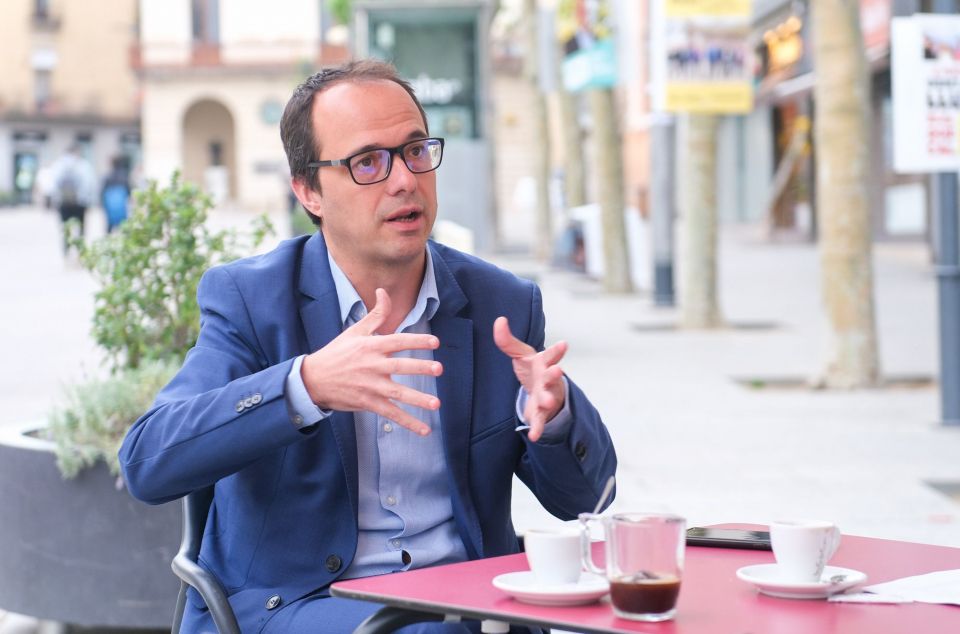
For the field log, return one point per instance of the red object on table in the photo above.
(712, 599)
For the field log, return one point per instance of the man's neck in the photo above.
(402, 283)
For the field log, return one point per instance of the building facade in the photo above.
(215, 76)
(67, 79)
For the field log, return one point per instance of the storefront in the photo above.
(899, 204)
(440, 47)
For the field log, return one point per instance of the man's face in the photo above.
(386, 223)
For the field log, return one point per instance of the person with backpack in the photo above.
(73, 189)
(115, 193)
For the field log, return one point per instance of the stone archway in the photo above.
(209, 149)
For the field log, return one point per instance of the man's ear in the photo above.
(308, 197)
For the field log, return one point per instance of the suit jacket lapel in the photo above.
(455, 389)
(320, 314)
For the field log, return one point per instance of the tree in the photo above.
(541, 150)
(699, 304)
(842, 137)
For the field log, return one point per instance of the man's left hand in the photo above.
(537, 372)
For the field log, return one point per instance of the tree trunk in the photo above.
(608, 153)
(841, 133)
(574, 179)
(541, 150)
(699, 305)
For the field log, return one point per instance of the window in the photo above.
(41, 89)
(206, 21)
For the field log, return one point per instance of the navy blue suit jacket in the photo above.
(283, 521)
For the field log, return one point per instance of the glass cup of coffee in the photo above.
(644, 562)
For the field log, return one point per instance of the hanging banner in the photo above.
(590, 57)
(925, 64)
(701, 57)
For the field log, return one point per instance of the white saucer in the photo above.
(523, 587)
(766, 578)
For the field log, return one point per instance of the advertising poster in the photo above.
(702, 57)
(590, 58)
(926, 93)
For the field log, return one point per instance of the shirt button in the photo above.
(391, 500)
(298, 420)
(387, 427)
(395, 543)
(273, 602)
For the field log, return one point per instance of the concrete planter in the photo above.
(81, 551)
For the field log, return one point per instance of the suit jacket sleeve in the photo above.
(222, 411)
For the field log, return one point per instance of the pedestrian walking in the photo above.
(115, 193)
(74, 184)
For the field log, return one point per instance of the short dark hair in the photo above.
(296, 126)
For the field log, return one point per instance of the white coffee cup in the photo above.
(553, 555)
(803, 547)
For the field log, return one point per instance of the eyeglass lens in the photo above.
(420, 156)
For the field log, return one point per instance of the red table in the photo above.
(712, 599)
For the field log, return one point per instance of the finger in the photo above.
(401, 365)
(552, 355)
(409, 396)
(552, 377)
(508, 344)
(376, 316)
(391, 412)
(535, 420)
(398, 342)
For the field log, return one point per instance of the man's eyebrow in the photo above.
(413, 136)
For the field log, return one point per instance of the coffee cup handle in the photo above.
(586, 552)
(834, 542)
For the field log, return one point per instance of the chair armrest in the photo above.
(184, 564)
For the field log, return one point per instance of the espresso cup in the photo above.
(553, 555)
(644, 555)
(803, 547)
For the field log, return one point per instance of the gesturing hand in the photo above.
(352, 372)
(537, 372)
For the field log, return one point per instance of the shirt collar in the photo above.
(351, 306)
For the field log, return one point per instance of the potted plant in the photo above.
(74, 546)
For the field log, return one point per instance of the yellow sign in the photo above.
(709, 97)
(713, 8)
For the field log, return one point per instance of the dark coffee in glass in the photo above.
(645, 593)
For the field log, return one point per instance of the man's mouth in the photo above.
(405, 217)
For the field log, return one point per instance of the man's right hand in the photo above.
(353, 372)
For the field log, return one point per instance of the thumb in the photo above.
(377, 315)
(508, 344)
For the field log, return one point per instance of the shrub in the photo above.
(146, 316)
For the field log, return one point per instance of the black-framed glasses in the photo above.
(372, 166)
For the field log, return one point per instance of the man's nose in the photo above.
(401, 178)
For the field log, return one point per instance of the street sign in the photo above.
(926, 93)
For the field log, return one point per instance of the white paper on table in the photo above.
(935, 587)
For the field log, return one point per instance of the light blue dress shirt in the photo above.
(405, 516)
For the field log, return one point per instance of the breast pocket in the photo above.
(504, 426)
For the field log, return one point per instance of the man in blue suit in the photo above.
(355, 395)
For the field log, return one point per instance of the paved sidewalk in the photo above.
(691, 437)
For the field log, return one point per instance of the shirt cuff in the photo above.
(559, 425)
(303, 411)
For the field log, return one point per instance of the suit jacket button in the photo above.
(333, 563)
(273, 601)
(239, 406)
(256, 398)
(580, 450)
